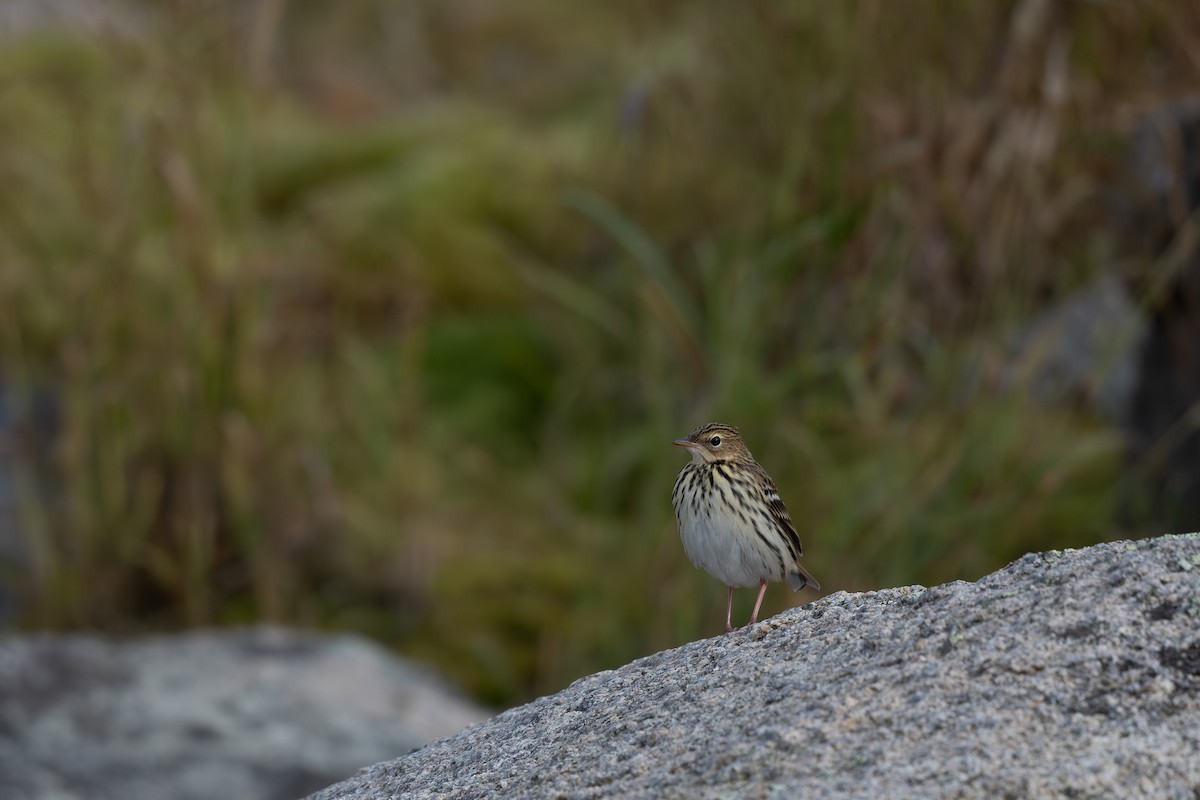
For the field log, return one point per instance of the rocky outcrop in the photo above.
(1066, 674)
(261, 713)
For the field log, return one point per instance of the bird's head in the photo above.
(714, 441)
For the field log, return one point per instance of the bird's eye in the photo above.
(715, 441)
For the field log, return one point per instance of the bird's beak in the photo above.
(686, 443)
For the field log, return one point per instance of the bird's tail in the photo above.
(800, 578)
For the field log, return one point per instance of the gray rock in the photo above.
(22, 18)
(29, 424)
(1162, 197)
(261, 713)
(1085, 349)
(1066, 674)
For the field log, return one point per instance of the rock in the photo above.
(1158, 207)
(30, 421)
(1083, 350)
(24, 18)
(1066, 674)
(260, 713)
(12, 544)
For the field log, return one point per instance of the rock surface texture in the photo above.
(1065, 674)
(261, 713)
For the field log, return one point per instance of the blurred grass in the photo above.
(381, 317)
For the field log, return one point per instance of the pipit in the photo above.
(731, 519)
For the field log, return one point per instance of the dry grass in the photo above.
(380, 316)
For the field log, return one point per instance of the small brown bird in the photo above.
(731, 519)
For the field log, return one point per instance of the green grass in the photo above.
(387, 326)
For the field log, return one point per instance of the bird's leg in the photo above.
(729, 612)
(762, 589)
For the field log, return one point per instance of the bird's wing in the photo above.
(779, 513)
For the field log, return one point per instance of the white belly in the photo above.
(726, 547)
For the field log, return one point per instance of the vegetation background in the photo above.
(380, 316)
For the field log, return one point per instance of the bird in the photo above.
(731, 519)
